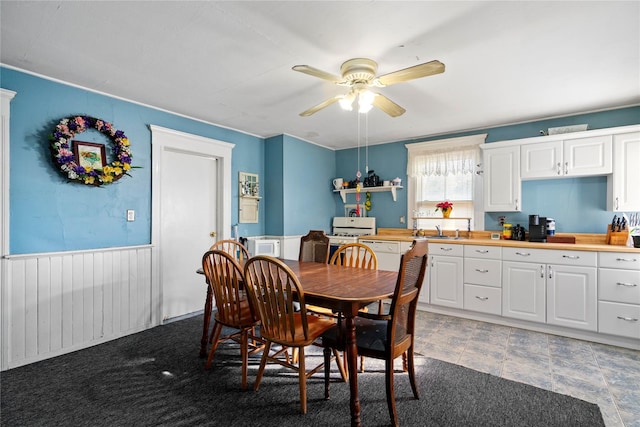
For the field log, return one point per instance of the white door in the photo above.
(445, 278)
(624, 196)
(188, 216)
(572, 297)
(523, 291)
(502, 184)
(191, 198)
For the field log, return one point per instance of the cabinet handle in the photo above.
(566, 168)
(445, 249)
(482, 251)
(542, 271)
(523, 253)
(628, 319)
(617, 205)
(626, 259)
(571, 256)
(485, 298)
(559, 168)
(481, 271)
(550, 272)
(629, 285)
(516, 204)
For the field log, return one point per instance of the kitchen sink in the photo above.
(442, 237)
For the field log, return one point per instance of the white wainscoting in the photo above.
(57, 303)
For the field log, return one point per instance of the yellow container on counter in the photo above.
(506, 231)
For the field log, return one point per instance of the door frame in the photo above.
(162, 139)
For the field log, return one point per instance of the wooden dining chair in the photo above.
(388, 337)
(314, 247)
(271, 286)
(226, 278)
(355, 255)
(234, 248)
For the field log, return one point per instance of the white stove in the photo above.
(347, 229)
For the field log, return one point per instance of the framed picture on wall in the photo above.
(89, 154)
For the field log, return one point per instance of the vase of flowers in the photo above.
(445, 207)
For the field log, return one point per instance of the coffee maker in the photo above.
(537, 228)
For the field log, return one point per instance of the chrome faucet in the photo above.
(439, 231)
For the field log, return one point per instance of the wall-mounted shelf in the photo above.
(440, 218)
(391, 188)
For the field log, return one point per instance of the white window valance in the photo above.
(454, 156)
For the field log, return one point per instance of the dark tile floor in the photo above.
(602, 374)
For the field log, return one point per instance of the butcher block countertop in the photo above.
(584, 242)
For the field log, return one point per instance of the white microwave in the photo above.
(269, 247)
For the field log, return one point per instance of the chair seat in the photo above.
(372, 335)
(245, 319)
(316, 327)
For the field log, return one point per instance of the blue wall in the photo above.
(577, 205)
(50, 214)
(298, 175)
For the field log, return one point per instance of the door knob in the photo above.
(212, 234)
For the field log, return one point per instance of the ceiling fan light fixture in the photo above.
(346, 102)
(365, 101)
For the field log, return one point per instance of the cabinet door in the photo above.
(541, 160)
(523, 291)
(588, 156)
(571, 297)
(624, 194)
(445, 280)
(502, 185)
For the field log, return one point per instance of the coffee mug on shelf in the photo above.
(386, 183)
(337, 183)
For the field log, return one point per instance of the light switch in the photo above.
(131, 215)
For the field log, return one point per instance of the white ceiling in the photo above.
(229, 62)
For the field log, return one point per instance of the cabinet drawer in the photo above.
(619, 319)
(626, 260)
(445, 249)
(483, 298)
(486, 272)
(487, 252)
(550, 256)
(619, 285)
(382, 246)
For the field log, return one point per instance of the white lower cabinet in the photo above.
(445, 275)
(523, 291)
(580, 290)
(619, 294)
(571, 297)
(557, 287)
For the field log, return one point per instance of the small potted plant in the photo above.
(445, 207)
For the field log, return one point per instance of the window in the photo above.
(446, 170)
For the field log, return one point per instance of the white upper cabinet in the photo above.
(502, 185)
(624, 184)
(567, 158)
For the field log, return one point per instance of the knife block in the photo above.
(617, 238)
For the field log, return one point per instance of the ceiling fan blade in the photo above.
(415, 72)
(320, 106)
(306, 69)
(388, 106)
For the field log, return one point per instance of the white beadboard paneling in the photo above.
(62, 302)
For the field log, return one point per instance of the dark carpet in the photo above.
(155, 378)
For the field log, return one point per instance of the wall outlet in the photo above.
(402, 219)
(131, 215)
(501, 220)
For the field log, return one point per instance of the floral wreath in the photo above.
(67, 129)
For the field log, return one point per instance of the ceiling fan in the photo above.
(359, 74)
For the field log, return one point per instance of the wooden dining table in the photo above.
(343, 290)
